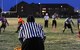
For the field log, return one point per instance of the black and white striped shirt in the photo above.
(30, 30)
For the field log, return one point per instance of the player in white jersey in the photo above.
(67, 24)
(54, 22)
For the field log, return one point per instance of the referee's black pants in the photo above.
(35, 43)
(46, 23)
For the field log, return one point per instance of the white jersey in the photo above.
(46, 17)
(53, 16)
(68, 20)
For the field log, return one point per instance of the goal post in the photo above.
(5, 6)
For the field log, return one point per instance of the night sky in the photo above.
(7, 4)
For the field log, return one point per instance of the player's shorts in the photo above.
(67, 25)
(54, 22)
(3, 26)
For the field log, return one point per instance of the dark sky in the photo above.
(7, 4)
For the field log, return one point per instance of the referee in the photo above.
(46, 18)
(31, 35)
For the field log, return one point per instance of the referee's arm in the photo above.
(43, 34)
(20, 36)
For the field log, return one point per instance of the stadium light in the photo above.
(77, 11)
(39, 3)
(40, 8)
(4, 12)
(61, 6)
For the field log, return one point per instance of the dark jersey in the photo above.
(3, 20)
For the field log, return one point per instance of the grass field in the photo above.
(54, 41)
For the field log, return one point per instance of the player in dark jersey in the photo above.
(4, 23)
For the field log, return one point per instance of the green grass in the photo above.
(54, 41)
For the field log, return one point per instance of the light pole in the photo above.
(40, 8)
(61, 11)
(2, 7)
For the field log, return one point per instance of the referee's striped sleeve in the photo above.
(20, 32)
(42, 34)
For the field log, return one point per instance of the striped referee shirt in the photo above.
(30, 30)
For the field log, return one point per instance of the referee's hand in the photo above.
(44, 38)
(21, 40)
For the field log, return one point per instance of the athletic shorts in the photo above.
(67, 25)
(3, 26)
(54, 22)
